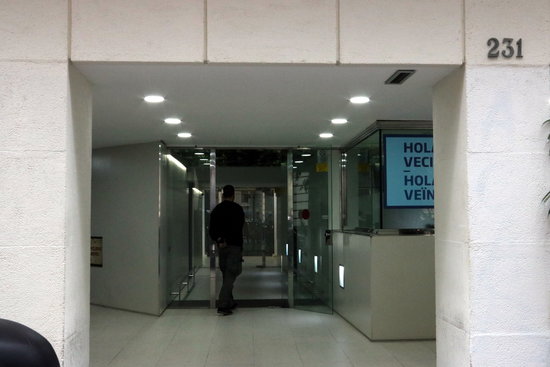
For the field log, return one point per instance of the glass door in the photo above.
(311, 260)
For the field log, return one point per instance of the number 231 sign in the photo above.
(506, 48)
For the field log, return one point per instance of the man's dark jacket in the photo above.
(226, 223)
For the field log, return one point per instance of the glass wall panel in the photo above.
(361, 165)
(311, 186)
(260, 220)
(257, 175)
(196, 185)
(398, 159)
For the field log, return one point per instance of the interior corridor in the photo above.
(262, 337)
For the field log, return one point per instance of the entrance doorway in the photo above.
(260, 179)
(287, 247)
(297, 104)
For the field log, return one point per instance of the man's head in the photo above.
(228, 192)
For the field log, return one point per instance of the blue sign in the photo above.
(409, 171)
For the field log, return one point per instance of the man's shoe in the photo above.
(233, 306)
(225, 311)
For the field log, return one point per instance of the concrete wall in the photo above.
(401, 32)
(492, 252)
(125, 212)
(491, 168)
(77, 221)
(269, 31)
(44, 184)
(138, 30)
(451, 222)
(509, 251)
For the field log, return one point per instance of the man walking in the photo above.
(226, 229)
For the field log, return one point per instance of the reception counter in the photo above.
(389, 284)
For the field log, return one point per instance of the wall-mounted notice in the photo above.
(409, 171)
(97, 251)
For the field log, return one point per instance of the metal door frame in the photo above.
(212, 246)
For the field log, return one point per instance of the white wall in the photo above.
(32, 197)
(125, 212)
(507, 18)
(272, 31)
(34, 30)
(401, 32)
(269, 31)
(138, 30)
(451, 222)
(492, 250)
(508, 174)
(144, 255)
(44, 114)
(491, 166)
(77, 217)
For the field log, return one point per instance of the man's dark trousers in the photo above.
(231, 266)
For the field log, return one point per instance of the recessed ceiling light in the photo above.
(184, 135)
(359, 100)
(154, 99)
(339, 121)
(326, 135)
(204, 159)
(306, 155)
(298, 161)
(199, 153)
(172, 121)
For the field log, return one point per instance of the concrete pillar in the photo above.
(45, 114)
(492, 170)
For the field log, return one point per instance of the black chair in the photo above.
(21, 346)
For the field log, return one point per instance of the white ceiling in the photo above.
(250, 105)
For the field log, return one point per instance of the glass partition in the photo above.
(195, 289)
(260, 178)
(388, 180)
(311, 195)
(361, 166)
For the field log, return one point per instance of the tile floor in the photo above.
(253, 283)
(262, 337)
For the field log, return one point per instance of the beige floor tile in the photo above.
(261, 337)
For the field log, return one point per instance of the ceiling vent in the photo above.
(399, 76)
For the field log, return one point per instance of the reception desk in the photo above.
(389, 289)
